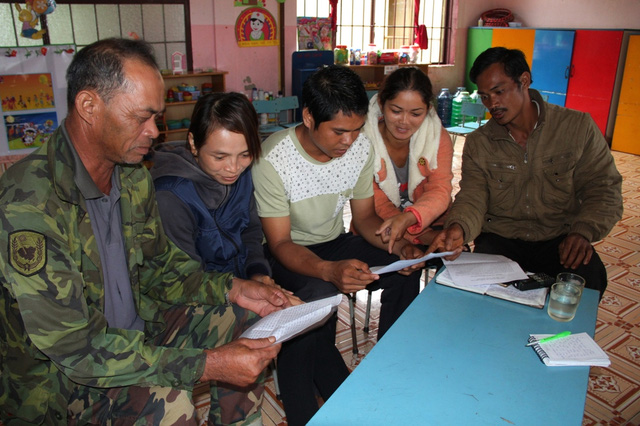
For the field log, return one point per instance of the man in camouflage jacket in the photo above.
(60, 360)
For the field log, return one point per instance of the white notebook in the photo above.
(575, 349)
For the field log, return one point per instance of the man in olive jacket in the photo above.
(103, 318)
(539, 183)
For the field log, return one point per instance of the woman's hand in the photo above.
(393, 229)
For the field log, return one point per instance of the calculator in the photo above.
(537, 280)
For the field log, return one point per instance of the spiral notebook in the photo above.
(576, 349)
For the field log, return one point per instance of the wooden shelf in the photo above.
(174, 103)
(194, 74)
(184, 109)
(373, 75)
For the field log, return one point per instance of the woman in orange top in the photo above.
(413, 154)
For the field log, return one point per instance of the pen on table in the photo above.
(550, 338)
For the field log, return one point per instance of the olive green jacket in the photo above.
(565, 181)
(53, 332)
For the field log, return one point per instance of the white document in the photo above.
(535, 298)
(291, 322)
(482, 269)
(401, 264)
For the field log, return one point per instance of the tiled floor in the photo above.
(613, 396)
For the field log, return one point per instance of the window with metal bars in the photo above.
(164, 24)
(389, 24)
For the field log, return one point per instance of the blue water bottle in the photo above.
(445, 107)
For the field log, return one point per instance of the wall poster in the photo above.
(33, 95)
(256, 26)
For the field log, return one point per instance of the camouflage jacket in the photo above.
(53, 332)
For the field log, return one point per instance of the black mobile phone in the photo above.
(537, 280)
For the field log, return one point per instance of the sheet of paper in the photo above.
(444, 278)
(291, 322)
(535, 298)
(401, 264)
(482, 269)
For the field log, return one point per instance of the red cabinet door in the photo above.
(593, 73)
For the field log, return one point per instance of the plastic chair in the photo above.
(468, 109)
(271, 109)
(275, 108)
(284, 105)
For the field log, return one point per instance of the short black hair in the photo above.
(513, 60)
(332, 90)
(230, 111)
(100, 66)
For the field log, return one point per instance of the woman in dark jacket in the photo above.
(204, 188)
(205, 196)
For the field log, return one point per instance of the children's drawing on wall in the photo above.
(256, 26)
(31, 103)
(314, 33)
(26, 92)
(29, 130)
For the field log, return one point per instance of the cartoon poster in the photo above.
(29, 130)
(314, 33)
(26, 92)
(256, 26)
(33, 96)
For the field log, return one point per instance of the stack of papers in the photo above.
(485, 274)
(576, 349)
(291, 322)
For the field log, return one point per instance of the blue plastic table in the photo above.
(456, 357)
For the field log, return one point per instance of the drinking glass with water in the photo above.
(565, 296)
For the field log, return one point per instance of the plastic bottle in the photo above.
(354, 57)
(456, 116)
(372, 54)
(458, 90)
(404, 54)
(475, 98)
(414, 49)
(341, 55)
(444, 106)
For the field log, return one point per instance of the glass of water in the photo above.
(565, 296)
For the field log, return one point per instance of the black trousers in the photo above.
(312, 362)
(542, 256)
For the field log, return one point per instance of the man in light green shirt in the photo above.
(303, 180)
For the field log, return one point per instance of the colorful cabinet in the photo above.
(551, 64)
(548, 53)
(573, 68)
(593, 73)
(627, 127)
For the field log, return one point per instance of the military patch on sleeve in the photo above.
(27, 251)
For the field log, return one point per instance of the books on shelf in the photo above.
(535, 298)
(575, 349)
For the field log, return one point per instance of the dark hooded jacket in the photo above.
(216, 224)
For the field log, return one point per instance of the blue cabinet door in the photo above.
(551, 64)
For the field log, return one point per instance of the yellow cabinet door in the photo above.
(627, 127)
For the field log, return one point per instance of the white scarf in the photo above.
(424, 144)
